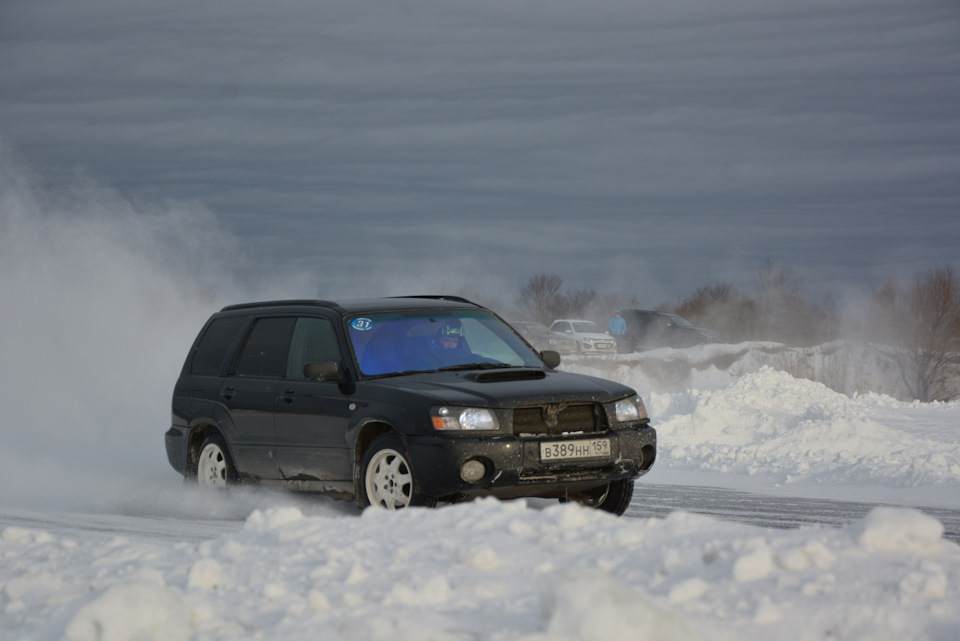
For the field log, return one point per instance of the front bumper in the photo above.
(513, 465)
(599, 348)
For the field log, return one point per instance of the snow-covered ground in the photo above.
(293, 568)
(100, 541)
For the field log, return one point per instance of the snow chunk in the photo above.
(898, 529)
(753, 565)
(688, 590)
(137, 611)
(205, 574)
(24, 535)
(811, 555)
(592, 606)
(274, 519)
(481, 558)
(435, 591)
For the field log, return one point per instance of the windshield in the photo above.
(530, 328)
(431, 340)
(586, 327)
(679, 320)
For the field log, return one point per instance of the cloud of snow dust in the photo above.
(102, 296)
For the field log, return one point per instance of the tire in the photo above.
(215, 468)
(614, 497)
(387, 480)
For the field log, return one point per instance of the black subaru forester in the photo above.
(397, 402)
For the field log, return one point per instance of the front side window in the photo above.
(265, 352)
(432, 340)
(314, 341)
(587, 327)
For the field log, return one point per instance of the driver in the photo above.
(448, 343)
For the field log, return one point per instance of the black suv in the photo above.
(648, 329)
(396, 402)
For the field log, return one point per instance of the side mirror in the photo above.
(550, 358)
(323, 371)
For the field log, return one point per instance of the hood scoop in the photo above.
(510, 375)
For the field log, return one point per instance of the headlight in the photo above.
(464, 418)
(630, 409)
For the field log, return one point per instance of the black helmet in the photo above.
(450, 327)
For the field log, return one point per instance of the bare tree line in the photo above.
(917, 322)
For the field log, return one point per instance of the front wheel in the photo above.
(614, 497)
(215, 469)
(388, 481)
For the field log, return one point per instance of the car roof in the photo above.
(349, 306)
(575, 320)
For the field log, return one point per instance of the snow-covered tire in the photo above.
(387, 479)
(215, 469)
(614, 497)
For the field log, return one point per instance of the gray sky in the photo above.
(640, 147)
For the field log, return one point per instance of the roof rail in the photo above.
(283, 303)
(456, 299)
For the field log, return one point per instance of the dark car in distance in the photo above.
(647, 329)
(398, 402)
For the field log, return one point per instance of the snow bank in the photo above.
(768, 423)
(489, 570)
(765, 428)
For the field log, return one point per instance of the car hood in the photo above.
(595, 335)
(505, 387)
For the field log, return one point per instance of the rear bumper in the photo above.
(513, 465)
(176, 441)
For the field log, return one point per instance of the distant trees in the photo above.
(920, 321)
(721, 308)
(923, 322)
(783, 314)
(542, 298)
(777, 312)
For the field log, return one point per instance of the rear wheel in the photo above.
(215, 469)
(614, 497)
(388, 481)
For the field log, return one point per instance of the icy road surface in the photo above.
(650, 501)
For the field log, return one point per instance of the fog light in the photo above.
(472, 471)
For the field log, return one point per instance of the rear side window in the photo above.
(214, 345)
(265, 353)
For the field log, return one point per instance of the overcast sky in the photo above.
(637, 147)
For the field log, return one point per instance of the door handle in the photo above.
(289, 396)
(228, 392)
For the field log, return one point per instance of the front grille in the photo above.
(559, 418)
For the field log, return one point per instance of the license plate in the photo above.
(566, 450)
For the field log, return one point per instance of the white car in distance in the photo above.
(590, 337)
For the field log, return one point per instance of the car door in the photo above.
(312, 416)
(249, 394)
(565, 327)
